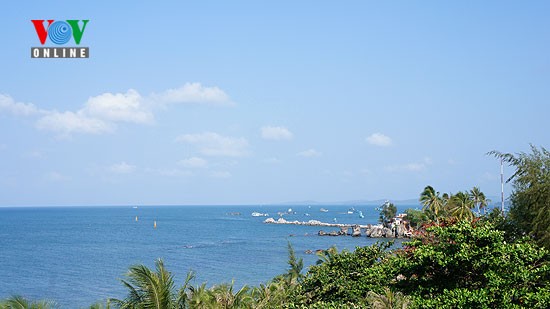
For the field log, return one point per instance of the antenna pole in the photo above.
(501, 187)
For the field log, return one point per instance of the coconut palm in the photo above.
(272, 295)
(388, 300)
(201, 297)
(225, 297)
(432, 202)
(479, 199)
(152, 289)
(19, 302)
(460, 206)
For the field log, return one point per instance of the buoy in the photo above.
(155, 225)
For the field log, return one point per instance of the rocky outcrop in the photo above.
(331, 233)
(356, 231)
(373, 231)
(379, 231)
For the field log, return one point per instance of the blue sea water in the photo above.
(76, 255)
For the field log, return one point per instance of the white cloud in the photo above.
(124, 107)
(365, 171)
(55, 176)
(193, 93)
(35, 154)
(309, 153)
(272, 160)
(214, 144)
(122, 168)
(101, 113)
(220, 174)
(17, 108)
(169, 172)
(276, 133)
(411, 167)
(379, 139)
(69, 122)
(193, 162)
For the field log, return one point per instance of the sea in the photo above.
(76, 256)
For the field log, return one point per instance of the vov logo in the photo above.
(60, 33)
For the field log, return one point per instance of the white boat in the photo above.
(323, 210)
(361, 214)
(259, 214)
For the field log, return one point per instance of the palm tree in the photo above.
(480, 201)
(201, 297)
(388, 300)
(272, 295)
(431, 201)
(19, 302)
(460, 206)
(225, 298)
(148, 289)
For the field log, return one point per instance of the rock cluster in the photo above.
(373, 231)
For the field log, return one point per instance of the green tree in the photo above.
(151, 289)
(388, 211)
(431, 202)
(416, 217)
(479, 199)
(460, 206)
(19, 302)
(347, 276)
(470, 265)
(530, 199)
(388, 300)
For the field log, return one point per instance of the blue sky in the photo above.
(247, 102)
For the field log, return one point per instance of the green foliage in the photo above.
(432, 203)
(19, 302)
(388, 300)
(347, 276)
(471, 264)
(530, 210)
(416, 217)
(460, 206)
(479, 199)
(387, 213)
(148, 289)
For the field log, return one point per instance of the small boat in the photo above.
(323, 210)
(361, 214)
(259, 214)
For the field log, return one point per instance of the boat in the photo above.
(259, 214)
(323, 210)
(361, 214)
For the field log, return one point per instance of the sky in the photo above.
(257, 102)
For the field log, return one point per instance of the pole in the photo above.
(502, 187)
